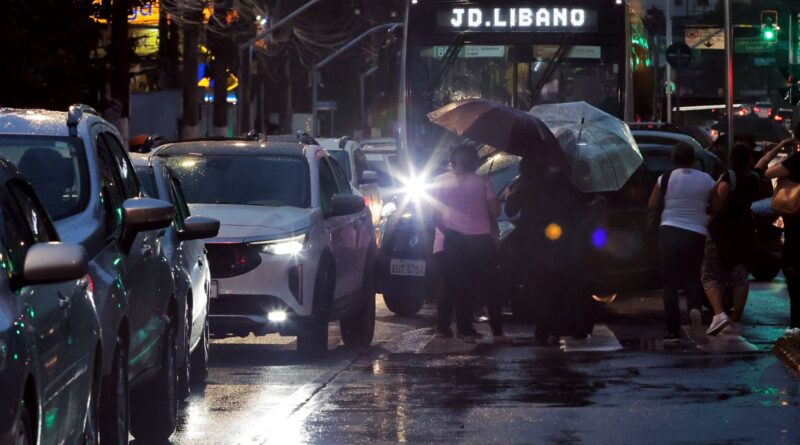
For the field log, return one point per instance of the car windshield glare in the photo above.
(55, 166)
(268, 180)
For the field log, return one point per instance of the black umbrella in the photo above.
(760, 128)
(509, 129)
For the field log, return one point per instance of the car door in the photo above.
(192, 254)
(47, 309)
(337, 228)
(143, 276)
(352, 232)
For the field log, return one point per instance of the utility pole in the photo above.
(315, 69)
(729, 73)
(668, 80)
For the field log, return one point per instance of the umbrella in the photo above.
(599, 147)
(761, 129)
(509, 129)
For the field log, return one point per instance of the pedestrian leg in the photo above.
(694, 265)
(739, 300)
(444, 307)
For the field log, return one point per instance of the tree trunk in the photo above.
(191, 93)
(245, 82)
(120, 64)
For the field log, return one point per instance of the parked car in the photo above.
(296, 244)
(350, 156)
(76, 163)
(50, 346)
(185, 251)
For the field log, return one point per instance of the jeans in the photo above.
(791, 267)
(681, 261)
(469, 264)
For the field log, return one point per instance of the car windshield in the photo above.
(55, 166)
(246, 180)
(380, 164)
(148, 180)
(343, 159)
(501, 169)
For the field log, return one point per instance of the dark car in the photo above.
(78, 167)
(50, 347)
(185, 250)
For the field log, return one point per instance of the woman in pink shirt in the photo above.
(466, 209)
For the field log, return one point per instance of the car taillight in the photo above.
(756, 109)
(90, 284)
(778, 117)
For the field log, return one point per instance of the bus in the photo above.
(520, 53)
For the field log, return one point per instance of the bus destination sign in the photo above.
(517, 19)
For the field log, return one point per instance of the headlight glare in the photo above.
(284, 246)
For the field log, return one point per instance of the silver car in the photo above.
(296, 243)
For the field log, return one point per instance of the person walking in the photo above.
(732, 238)
(551, 239)
(465, 210)
(682, 198)
(789, 168)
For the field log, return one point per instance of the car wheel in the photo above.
(91, 432)
(184, 369)
(312, 341)
(199, 358)
(404, 305)
(24, 428)
(155, 406)
(358, 328)
(114, 399)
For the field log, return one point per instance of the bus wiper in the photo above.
(558, 57)
(448, 59)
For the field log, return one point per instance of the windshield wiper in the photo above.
(448, 60)
(558, 57)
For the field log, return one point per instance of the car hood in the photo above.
(246, 221)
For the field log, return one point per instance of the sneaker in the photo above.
(718, 323)
(672, 338)
(696, 317)
(793, 331)
(442, 333)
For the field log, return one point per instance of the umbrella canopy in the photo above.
(760, 128)
(599, 147)
(509, 129)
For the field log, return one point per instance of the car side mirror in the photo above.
(142, 215)
(368, 177)
(198, 227)
(346, 205)
(54, 262)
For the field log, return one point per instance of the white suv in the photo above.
(296, 243)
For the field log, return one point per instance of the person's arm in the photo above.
(654, 203)
(778, 170)
(719, 194)
(492, 201)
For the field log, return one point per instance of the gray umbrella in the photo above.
(599, 147)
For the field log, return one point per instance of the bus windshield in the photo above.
(548, 74)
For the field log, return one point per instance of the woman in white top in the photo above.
(683, 196)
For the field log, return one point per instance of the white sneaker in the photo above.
(695, 316)
(793, 331)
(718, 323)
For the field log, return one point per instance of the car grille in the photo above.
(230, 260)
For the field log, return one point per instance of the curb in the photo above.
(787, 348)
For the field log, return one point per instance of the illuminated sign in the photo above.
(518, 19)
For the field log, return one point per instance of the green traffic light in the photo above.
(768, 34)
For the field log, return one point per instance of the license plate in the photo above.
(408, 268)
(214, 291)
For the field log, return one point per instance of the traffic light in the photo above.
(769, 26)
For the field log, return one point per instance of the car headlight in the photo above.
(283, 246)
(415, 189)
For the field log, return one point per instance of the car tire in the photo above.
(184, 369)
(358, 328)
(115, 399)
(91, 428)
(312, 340)
(24, 428)
(199, 358)
(765, 270)
(404, 305)
(155, 405)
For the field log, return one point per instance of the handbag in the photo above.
(786, 200)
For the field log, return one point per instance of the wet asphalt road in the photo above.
(408, 387)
